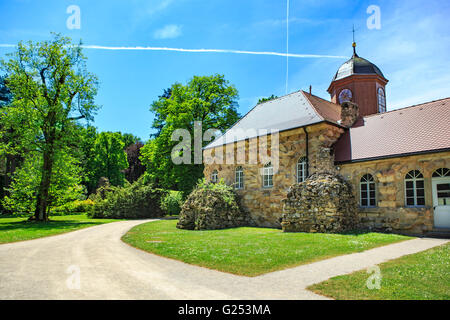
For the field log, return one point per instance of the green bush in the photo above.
(74, 207)
(172, 202)
(132, 201)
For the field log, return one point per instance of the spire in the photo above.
(354, 43)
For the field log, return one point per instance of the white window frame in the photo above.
(365, 182)
(268, 176)
(381, 100)
(301, 167)
(214, 176)
(441, 172)
(239, 178)
(414, 176)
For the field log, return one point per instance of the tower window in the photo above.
(414, 189)
(367, 191)
(381, 101)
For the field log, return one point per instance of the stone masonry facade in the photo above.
(390, 214)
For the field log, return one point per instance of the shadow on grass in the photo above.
(33, 225)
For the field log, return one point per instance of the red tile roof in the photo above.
(415, 129)
(327, 110)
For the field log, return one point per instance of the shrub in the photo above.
(172, 202)
(74, 207)
(212, 206)
(132, 201)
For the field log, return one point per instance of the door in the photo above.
(441, 202)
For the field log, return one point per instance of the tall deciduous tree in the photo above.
(52, 89)
(110, 157)
(209, 99)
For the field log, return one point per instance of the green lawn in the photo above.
(17, 228)
(248, 251)
(424, 275)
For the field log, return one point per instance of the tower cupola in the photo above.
(360, 81)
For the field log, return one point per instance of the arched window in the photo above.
(381, 101)
(441, 172)
(367, 191)
(214, 176)
(414, 189)
(268, 175)
(239, 178)
(301, 169)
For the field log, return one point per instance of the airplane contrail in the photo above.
(267, 53)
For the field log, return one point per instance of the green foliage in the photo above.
(171, 203)
(227, 193)
(110, 158)
(86, 155)
(64, 187)
(209, 99)
(129, 139)
(74, 207)
(136, 200)
(261, 100)
(51, 90)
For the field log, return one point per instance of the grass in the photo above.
(420, 276)
(248, 251)
(13, 228)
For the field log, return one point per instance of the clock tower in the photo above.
(360, 81)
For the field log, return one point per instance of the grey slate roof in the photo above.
(287, 112)
(356, 65)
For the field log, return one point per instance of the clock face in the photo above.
(345, 95)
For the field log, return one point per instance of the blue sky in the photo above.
(411, 47)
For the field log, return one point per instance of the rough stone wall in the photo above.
(391, 214)
(207, 209)
(323, 203)
(265, 204)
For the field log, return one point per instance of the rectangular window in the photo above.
(268, 177)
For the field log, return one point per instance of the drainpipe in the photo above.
(307, 151)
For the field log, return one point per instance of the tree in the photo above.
(65, 185)
(52, 90)
(135, 168)
(85, 152)
(129, 139)
(110, 157)
(261, 100)
(209, 99)
(10, 158)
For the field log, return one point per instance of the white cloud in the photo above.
(169, 31)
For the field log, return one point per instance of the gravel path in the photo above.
(93, 263)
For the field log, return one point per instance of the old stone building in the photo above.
(396, 162)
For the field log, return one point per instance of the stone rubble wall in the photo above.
(323, 203)
(206, 209)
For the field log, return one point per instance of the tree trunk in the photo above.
(41, 213)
